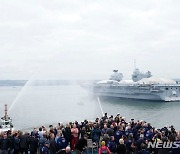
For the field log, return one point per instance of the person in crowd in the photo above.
(95, 133)
(110, 131)
(60, 141)
(68, 150)
(105, 138)
(33, 144)
(74, 139)
(144, 150)
(4, 144)
(121, 148)
(42, 141)
(177, 150)
(45, 148)
(149, 134)
(118, 134)
(68, 134)
(140, 141)
(105, 116)
(24, 143)
(10, 136)
(88, 129)
(83, 132)
(134, 137)
(40, 132)
(81, 144)
(130, 143)
(111, 145)
(16, 142)
(104, 149)
(104, 130)
(52, 144)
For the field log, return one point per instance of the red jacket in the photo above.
(103, 150)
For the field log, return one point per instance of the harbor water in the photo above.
(50, 104)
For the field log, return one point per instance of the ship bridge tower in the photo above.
(137, 75)
(116, 76)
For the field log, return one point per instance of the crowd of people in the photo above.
(109, 134)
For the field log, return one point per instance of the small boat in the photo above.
(6, 122)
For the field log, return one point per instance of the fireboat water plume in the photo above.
(46, 99)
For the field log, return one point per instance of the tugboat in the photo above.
(6, 122)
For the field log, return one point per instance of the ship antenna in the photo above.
(134, 63)
(5, 111)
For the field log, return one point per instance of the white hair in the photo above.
(121, 141)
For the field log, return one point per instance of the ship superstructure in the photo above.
(5, 121)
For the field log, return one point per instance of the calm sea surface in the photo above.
(42, 105)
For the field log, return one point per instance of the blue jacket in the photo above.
(95, 134)
(118, 134)
(143, 152)
(45, 150)
(112, 146)
(61, 143)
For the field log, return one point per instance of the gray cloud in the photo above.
(87, 39)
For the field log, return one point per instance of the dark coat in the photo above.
(11, 139)
(52, 146)
(33, 144)
(24, 142)
(81, 144)
(121, 149)
(95, 134)
(67, 134)
(16, 143)
(110, 132)
(4, 144)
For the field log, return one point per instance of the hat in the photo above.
(103, 143)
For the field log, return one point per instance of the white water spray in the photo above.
(100, 106)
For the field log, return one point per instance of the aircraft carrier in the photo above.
(142, 86)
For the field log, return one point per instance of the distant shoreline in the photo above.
(13, 82)
(42, 82)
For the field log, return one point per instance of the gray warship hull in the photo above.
(165, 93)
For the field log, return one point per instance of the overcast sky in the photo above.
(87, 39)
